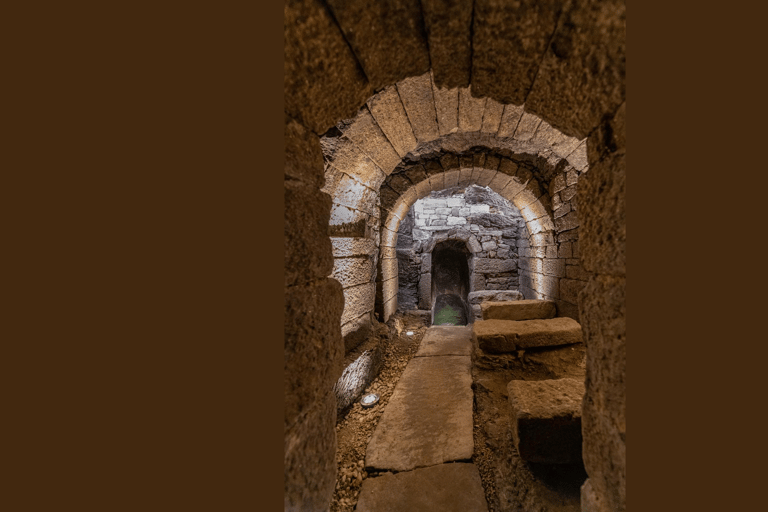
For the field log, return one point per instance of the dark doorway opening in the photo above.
(450, 283)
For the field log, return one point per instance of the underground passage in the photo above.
(454, 245)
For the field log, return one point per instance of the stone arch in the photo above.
(567, 64)
(542, 269)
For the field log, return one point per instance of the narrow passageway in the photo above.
(423, 442)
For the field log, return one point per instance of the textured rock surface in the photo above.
(428, 420)
(310, 458)
(446, 341)
(481, 296)
(387, 38)
(504, 336)
(313, 344)
(443, 488)
(518, 310)
(547, 419)
(448, 26)
(322, 79)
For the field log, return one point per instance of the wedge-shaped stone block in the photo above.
(503, 336)
(519, 310)
(416, 94)
(546, 426)
(428, 419)
(387, 109)
(444, 488)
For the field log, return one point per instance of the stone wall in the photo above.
(491, 226)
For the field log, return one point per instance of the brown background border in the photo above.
(144, 212)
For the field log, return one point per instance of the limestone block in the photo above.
(308, 254)
(509, 119)
(349, 246)
(603, 216)
(318, 65)
(465, 176)
(387, 38)
(441, 488)
(603, 314)
(553, 139)
(456, 221)
(451, 178)
(367, 135)
(416, 93)
(578, 159)
(474, 245)
(554, 267)
(357, 301)
(309, 465)
(470, 111)
(489, 246)
(493, 265)
(353, 271)
(303, 155)
(518, 310)
(478, 297)
(426, 263)
(520, 33)
(356, 331)
(570, 288)
(527, 126)
(492, 116)
(504, 336)
(447, 107)
(448, 27)
(425, 291)
(479, 208)
(387, 109)
(499, 182)
(313, 345)
(485, 177)
(568, 90)
(351, 160)
(546, 424)
(416, 173)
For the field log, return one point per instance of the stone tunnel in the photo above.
(445, 149)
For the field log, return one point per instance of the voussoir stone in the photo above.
(546, 424)
(442, 488)
(503, 336)
(519, 310)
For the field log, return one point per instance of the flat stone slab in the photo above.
(481, 296)
(446, 341)
(443, 488)
(504, 336)
(547, 419)
(428, 419)
(519, 310)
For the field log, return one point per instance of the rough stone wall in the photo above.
(566, 61)
(491, 224)
(550, 263)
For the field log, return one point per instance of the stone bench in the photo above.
(546, 423)
(506, 336)
(519, 310)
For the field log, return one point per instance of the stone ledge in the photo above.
(504, 336)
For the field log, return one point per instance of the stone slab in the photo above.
(446, 341)
(480, 296)
(428, 419)
(443, 488)
(519, 310)
(547, 419)
(503, 336)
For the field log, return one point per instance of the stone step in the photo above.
(477, 298)
(546, 423)
(505, 336)
(428, 419)
(519, 310)
(443, 488)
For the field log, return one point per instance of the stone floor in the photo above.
(424, 440)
